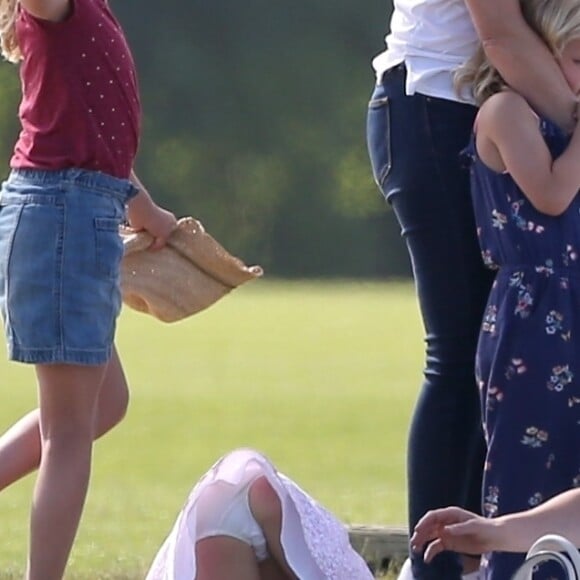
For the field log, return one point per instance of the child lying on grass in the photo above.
(245, 520)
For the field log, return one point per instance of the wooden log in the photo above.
(380, 546)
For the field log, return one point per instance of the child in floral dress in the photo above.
(525, 179)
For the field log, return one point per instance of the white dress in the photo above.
(315, 542)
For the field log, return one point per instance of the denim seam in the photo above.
(122, 196)
(387, 141)
(382, 106)
(8, 262)
(433, 149)
(59, 274)
(60, 354)
(124, 192)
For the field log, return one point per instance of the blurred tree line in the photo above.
(254, 122)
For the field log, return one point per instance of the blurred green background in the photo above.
(254, 122)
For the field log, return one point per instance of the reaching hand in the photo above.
(454, 529)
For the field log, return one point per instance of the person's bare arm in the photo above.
(461, 531)
(144, 214)
(523, 60)
(506, 122)
(559, 515)
(53, 10)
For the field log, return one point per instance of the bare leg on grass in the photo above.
(224, 558)
(267, 510)
(68, 400)
(20, 445)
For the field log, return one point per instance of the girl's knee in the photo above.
(264, 501)
(113, 404)
(118, 406)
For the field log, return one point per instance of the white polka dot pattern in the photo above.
(80, 103)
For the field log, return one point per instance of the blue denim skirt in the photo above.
(60, 255)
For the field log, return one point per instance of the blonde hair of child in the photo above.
(8, 40)
(556, 22)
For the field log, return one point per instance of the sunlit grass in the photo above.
(320, 376)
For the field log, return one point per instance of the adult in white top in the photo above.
(417, 127)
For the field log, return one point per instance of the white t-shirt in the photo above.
(432, 38)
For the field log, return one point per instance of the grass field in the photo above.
(320, 376)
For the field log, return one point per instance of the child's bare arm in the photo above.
(523, 59)
(144, 214)
(507, 125)
(54, 10)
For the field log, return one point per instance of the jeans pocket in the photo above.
(379, 138)
(108, 246)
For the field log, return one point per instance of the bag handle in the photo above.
(551, 547)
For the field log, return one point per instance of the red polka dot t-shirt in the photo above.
(80, 105)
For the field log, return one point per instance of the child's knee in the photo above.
(120, 406)
(264, 501)
(113, 406)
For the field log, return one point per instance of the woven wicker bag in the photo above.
(191, 272)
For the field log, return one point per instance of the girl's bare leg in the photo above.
(68, 396)
(20, 445)
(269, 570)
(267, 510)
(225, 558)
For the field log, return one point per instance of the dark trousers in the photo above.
(415, 145)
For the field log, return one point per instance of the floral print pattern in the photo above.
(528, 356)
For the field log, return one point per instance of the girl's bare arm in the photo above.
(53, 10)
(523, 60)
(508, 131)
(144, 214)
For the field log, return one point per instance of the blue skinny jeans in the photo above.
(415, 145)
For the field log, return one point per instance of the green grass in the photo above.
(320, 376)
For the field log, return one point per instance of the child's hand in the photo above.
(144, 214)
(454, 529)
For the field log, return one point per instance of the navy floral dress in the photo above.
(528, 357)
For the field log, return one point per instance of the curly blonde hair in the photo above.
(8, 41)
(556, 22)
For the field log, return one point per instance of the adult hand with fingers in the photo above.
(457, 530)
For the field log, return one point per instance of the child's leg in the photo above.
(267, 510)
(68, 397)
(224, 558)
(20, 445)
(113, 396)
(269, 570)
(235, 539)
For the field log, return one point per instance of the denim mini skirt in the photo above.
(60, 255)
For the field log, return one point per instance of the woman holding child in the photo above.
(417, 127)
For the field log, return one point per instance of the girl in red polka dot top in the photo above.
(70, 186)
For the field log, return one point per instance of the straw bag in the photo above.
(191, 272)
(551, 548)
